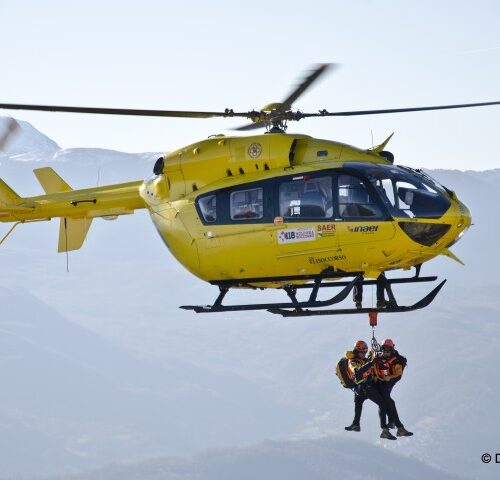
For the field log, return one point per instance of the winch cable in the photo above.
(372, 316)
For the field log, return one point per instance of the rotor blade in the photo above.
(124, 111)
(306, 83)
(324, 113)
(11, 127)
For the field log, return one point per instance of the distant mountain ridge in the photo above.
(323, 459)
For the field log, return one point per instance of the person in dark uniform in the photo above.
(357, 293)
(388, 370)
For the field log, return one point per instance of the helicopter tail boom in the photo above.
(75, 208)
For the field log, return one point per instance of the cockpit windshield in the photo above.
(405, 192)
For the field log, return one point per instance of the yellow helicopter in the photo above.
(276, 210)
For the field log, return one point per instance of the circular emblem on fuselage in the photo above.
(254, 150)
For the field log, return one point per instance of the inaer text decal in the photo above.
(363, 229)
(293, 235)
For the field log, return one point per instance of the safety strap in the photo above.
(375, 344)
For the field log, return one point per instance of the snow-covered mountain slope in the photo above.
(125, 287)
(26, 142)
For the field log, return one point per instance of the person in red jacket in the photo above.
(388, 370)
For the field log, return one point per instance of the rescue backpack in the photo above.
(400, 360)
(342, 372)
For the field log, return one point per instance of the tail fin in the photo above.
(72, 233)
(50, 181)
(7, 195)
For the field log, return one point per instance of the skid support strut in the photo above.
(313, 306)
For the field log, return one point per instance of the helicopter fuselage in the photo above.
(281, 205)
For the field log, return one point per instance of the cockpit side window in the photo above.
(208, 208)
(355, 200)
(306, 197)
(247, 204)
(240, 204)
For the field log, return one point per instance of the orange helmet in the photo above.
(388, 343)
(360, 345)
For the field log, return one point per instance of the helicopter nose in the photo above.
(462, 220)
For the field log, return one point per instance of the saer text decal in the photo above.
(326, 229)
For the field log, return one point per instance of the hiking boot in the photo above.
(387, 435)
(402, 432)
(391, 425)
(353, 428)
(385, 304)
(382, 303)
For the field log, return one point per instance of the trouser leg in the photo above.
(358, 408)
(357, 293)
(381, 288)
(374, 395)
(392, 412)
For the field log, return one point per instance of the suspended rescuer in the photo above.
(388, 370)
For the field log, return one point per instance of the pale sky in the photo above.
(199, 55)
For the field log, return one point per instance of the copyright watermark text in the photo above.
(489, 458)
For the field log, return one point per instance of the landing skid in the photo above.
(313, 306)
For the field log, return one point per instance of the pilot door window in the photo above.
(208, 208)
(355, 201)
(247, 204)
(306, 198)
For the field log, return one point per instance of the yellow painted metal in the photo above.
(450, 254)
(90, 202)
(380, 147)
(78, 207)
(50, 181)
(216, 252)
(72, 233)
(7, 196)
